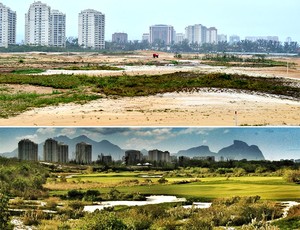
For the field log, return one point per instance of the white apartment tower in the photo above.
(8, 20)
(37, 24)
(212, 35)
(44, 27)
(196, 34)
(58, 29)
(162, 33)
(91, 29)
(201, 34)
(51, 150)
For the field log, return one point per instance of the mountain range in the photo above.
(237, 151)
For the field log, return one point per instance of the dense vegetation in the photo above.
(234, 60)
(24, 179)
(239, 211)
(233, 203)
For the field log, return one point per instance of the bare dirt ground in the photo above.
(202, 108)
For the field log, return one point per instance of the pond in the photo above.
(150, 200)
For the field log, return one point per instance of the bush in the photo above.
(162, 180)
(91, 195)
(4, 214)
(292, 176)
(75, 194)
(198, 223)
(101, 221)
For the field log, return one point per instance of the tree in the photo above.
(4, 214)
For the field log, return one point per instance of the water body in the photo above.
(150, 200)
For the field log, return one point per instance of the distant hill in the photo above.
(105, 147)
(241, 150)
(237, 151)
(200, 151)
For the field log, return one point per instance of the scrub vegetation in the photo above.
(240, 198)
(81, 89)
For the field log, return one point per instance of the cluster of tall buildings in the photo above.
(133, 157)
(55, 152)
(46, 27)
(167, 35)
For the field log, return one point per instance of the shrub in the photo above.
(162, 180)
(4, 214)
(196, 223)
(101, 221)
(75, 194)
(292, 176)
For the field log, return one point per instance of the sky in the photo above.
(244, 18)
(275, 143)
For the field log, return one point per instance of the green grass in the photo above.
(149, 85)
(93, 67)
(12, 105)
(28, 71)
(288, 223)
(234, 60)
(269, 188)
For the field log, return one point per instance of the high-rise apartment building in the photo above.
(159, 156)
(162, 33)
(63, 153)
(58, 29)
(133, 157)
(8, 20)
(51, 150)
(212, 35)
(201, 34)
(43, 26)
(196, 34)
(179, 38)
(83, 154)
(146, 37)
(120, 38)
(37, 24)
(55, 152)
(27, 150)
(91, 29)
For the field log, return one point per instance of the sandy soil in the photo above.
(203, 108)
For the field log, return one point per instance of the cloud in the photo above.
(136, 143)
(106, 131)
(46, 131)
(68, 132)
(32, 137)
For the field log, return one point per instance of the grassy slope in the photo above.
(84, 88)
(271, 188)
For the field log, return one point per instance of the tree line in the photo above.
(260, 46)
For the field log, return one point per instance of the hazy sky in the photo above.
(275, 143)
(244, 18)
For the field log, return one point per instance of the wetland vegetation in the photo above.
(53, 196)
